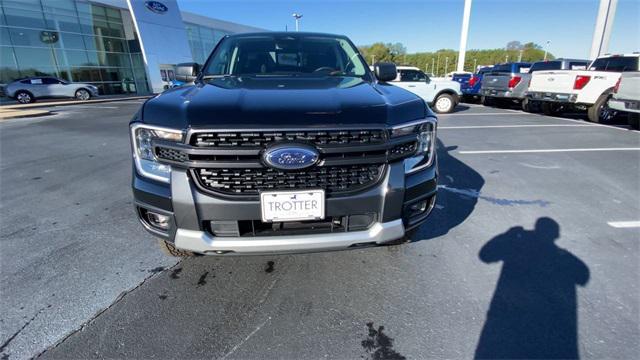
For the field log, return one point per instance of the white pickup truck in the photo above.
(442, 95)
(626, 97)
(590, 90)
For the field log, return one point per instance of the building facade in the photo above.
(120, 46)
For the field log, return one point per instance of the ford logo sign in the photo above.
(156, 6)
(291, 156)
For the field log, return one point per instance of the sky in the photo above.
(429, 25)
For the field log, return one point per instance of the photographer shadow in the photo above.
(533, 313)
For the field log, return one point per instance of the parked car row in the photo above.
(603, 88)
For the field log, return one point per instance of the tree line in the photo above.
(444, 61)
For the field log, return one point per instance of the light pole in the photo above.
(373, 59)
(297, 17)
(437, 66)
(475, 65)
(546, 48)
(446, 65)
(433, 63)
(463, 35)
(520, 56)
(506, 59)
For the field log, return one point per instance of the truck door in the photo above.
(416, 82)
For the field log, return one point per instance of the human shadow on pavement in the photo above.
(533, 313)
(452, 207)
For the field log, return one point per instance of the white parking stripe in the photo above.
(544, 151)
(624, 224)
(476, 114)
(594, 124)
(512, 126)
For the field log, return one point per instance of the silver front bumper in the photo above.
(205, 243)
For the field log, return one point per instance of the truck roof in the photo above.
(286, 33)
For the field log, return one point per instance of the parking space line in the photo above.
(512, 126)
(582, 121)
(476, 114)
(544, 151)
(624, 224)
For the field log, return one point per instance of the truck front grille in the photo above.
(263, 138)
(250, 181)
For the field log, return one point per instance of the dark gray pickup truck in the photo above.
(286, 142)
(510, 82)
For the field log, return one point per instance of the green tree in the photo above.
(436, 62)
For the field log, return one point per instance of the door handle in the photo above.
(412, 86)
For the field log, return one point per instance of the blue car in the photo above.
(471, 88)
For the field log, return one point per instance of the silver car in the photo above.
(28, 90)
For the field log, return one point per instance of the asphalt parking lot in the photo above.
(532, 251)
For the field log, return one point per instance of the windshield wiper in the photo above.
(219, 76)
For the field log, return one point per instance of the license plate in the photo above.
(279, 206)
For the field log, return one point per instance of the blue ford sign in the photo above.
(291, 156)
(156, 6)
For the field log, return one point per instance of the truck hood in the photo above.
(260, 102)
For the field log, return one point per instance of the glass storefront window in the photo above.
(63, 23)
(24, 18)
(28, 57)
(75, 40)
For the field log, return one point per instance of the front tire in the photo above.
(24, 97)
(600, 110)
(444, 104)
(170, 249)
(83, 95)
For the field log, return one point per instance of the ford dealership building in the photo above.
(121, 46)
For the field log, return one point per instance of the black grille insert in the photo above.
(332, 179)
(263, 138)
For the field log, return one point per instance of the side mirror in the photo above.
(385, 71)
(187, 72)
(428, 80)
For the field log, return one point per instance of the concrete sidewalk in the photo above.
(101, 99)
(14, 113)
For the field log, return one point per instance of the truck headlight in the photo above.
(425, 131)
(146, 162)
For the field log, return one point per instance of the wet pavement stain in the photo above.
(157, 270)
(203, 279)
(378, 345)
(269, 268)
(175, 274)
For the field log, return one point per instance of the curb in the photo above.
(64, 103)
(17, 114)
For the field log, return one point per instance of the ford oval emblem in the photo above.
(291, 156)
(156, 6)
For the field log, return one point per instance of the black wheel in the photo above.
(444, 104)
(487, 101)
(24, 97)
(529, 105)
(600, 110)
(550, 109)
(83, 94)
(634, 121)
(169, 249)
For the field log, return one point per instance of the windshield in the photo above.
(273, 55)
